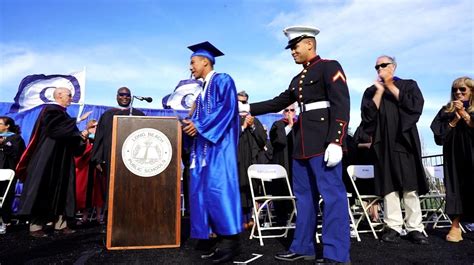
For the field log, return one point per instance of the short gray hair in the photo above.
(243, 94)
(391, 58)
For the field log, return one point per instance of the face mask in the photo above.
(91, 135)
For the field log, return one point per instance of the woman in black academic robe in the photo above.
(12, 146)
(453, 128)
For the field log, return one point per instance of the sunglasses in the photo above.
(124, 94)
(244, 101)
(455, 89)
(382, 65)
(288, 110)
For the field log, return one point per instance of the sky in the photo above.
(142, 44)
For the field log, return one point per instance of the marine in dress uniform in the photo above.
(321, 92)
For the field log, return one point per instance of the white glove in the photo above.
(244, 107)
(333, 155)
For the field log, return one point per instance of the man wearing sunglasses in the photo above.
(322, 95)
(103, 136)
(282, 138)
(390, 109)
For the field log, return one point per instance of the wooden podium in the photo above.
(145, 183)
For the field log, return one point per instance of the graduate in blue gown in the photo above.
(214, 186)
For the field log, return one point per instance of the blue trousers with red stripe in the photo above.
(312, 178)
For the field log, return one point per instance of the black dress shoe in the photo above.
(206, 245)
(326, 261)
(65, 231)
(391, 236)
(417, 238)
(38, 234)
(290, 256)
(224, 255)
(208, 254)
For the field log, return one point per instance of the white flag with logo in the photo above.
(35, 90)
(183, 96)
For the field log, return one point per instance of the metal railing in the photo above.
(432, 160)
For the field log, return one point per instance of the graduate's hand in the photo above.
(99, 167)
(333, 155)
(188, 128)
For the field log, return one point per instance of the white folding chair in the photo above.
(262, 204)
(6, 175)
(433, 203)
(319, 226)
(364, 202)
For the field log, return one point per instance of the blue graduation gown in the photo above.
(214, 186)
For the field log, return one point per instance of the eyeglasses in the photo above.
(382, 65)
(243, 101)
(455, 89)
(124, 94)
(69, 95)
(288, 110)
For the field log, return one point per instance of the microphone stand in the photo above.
(131, 106)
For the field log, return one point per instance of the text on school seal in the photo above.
(147, 152)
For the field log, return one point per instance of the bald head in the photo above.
(62, 96)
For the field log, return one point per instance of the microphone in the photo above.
(147, 99)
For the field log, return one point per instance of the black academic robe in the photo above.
(103, 136)
(251, 141)
(49, 188)
(265, 155)
(282, 155)
(11, 150)
(458, 163)
(356, 155)
(102, 149)
(396, 143)
(282, 145)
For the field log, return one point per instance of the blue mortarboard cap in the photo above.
(205, 49)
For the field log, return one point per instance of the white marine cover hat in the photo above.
(296, 33)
